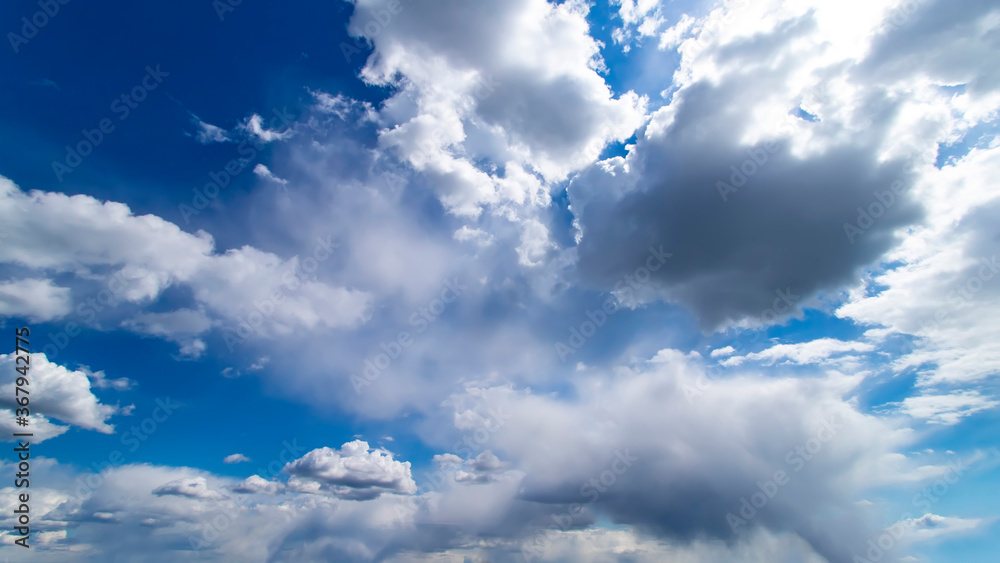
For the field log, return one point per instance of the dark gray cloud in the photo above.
(744, 222)
(673, 455)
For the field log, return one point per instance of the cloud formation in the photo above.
(352, 472)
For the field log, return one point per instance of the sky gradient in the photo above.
(503, 280)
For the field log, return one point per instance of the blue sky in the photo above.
(410, 275)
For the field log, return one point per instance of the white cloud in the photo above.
(725, 437)
(180, 326)
(945, 409)
(515, 83)
(535, 244)
(208, 133)
(191, 487)
(880, 114)
(57, 392)
(477, 236)
(236, 458)
(640, 18)
(501, 152)
(233, 282)
(609, 546)
(254, 127)
(256, 485)
(38, 300)
(168, 511)
(932, 525)
(135, 258)
(265, 173)
(100, 381)
(180, 321)
(486, 467)
(814, 351)
(724, 351)
(945, 292)
(351, 472)
(342, 106)
(40, 426)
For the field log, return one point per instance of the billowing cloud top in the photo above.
(354, 471)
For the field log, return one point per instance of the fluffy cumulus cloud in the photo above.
(726, 437)
(436, 280)
(256, 484)
(38, 300)
(118, 257)
(800, 149)
(516, 84)
(943, 298)
(800, 444)
(484, 468)
(235, 458)
(752, 197)
(354, 471)
(56, 393)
